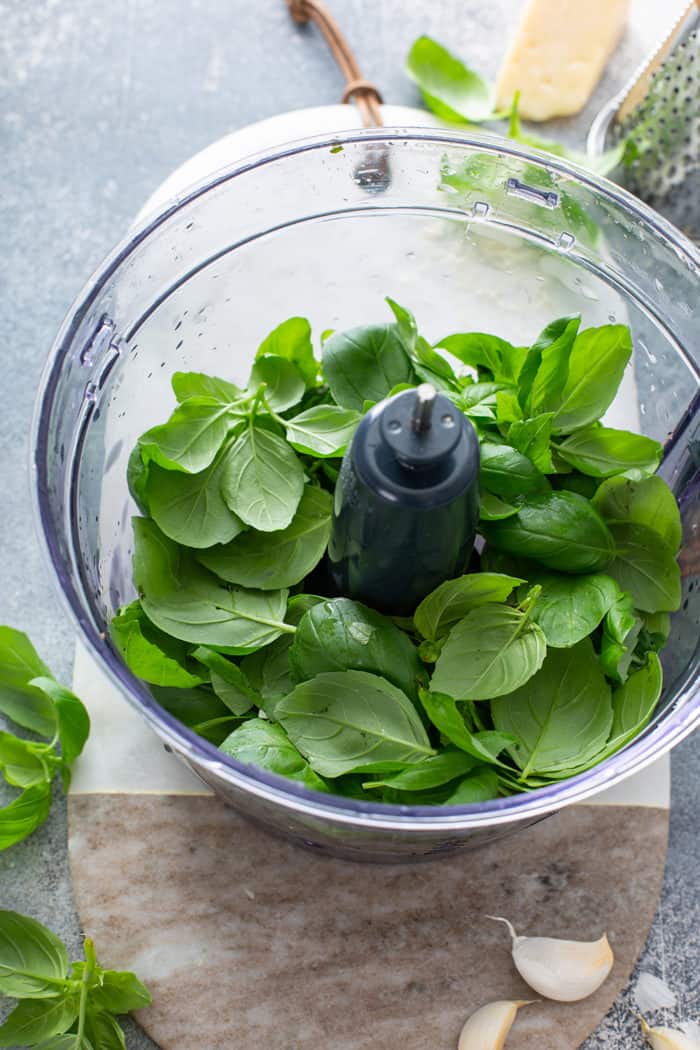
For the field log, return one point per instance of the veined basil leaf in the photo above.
(453, 599)
(596, 366)
(352, 721)
(561, 716)
(544, 373)
(509, 474)
(429, 365)
(25, 705)
(569, 608)
(635, 701)
(449, 88)
(270, 560)
(120, 992)
(645, 566)
(648, 502)
(228, 681)
(484, 746)
(33, 962)
(479, 786)
(102, 1030)
(560, 529)
(363, 364)
(492, 651)
(198, 708)
(491, 508)
(268, 670)
(188, 385)
(431, 772)
(603, 452)
(23, 763)
(73, 719)
(284, 383)
(532, 437)
(33, 1020)
(262, 480)
(486, 353)
(149, 653)
(621, 629)
(19, 819)
(265, 744)
(292, 340)
(340, 634)
(191, 438)
(324, 430)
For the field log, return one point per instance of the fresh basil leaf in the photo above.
(284, 383)
(569, 608)
(429, 365)
(603, 452)
(431, 772)
(292, 340)
(491, 508)
(196, 708)
(477, 398)
(73, 719)
(596, 366)
(444, 714)
(352, 721)
(561, 716)
(340, 635)
(33, 961)
(324, 430)
(509, 474)
(25, 705)
(119, 992)
(453, 599)
(645, 566)
(648, 502)
(228, 681)
(277, 559)
(103, 1031)
(635, 701)
(23, 763)
(449, 88)
(22, 816)
(262, 480)
(544, 373)
(532, 438)
(268, 670)
(560, 529)
(189, 508)
(492, 651)
(572, 481)
(191, 438)
(479, 786)
(149, 653)
(508, 408)
(657, 627)
(72, 1041)
(621, 629)
(265, 744)
(188, 385)
(486, 353)
(137, 479)
(363, 364)
(35, 1019)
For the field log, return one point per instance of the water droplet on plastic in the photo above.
(91, 392)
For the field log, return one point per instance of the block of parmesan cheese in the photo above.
(559, 52)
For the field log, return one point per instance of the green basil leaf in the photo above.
(269, 670)
(477, 397)
(561, 716)
(284, 383)
(22, 816)
(33, 961)
(648, 502)
(544, 373)
(188, 385)
(603, 452)
(449, 88)
(635, 701)
(25, 705)
(196, 708)
(571, 481)
(277, 559)
(189, 508)
(617, 648)
(364, 364)
(191, 438)
(265, 744)
(509, 474)
(444, 714)
(645, 566)
(149, 653)
(340, 634)
(36, 1019)
(486, 353)
(137, 479)
(508, 408)
(263, 480)
(491, 508)
(492, 651)
(479, 786)
(71, 1041)
(324, 430)
(658, 627)
(453, 599)
(228, 681)
(560, 529)
(569, 608)
(73, 719)
(431, 772)
(352, 721)
(596, 366)
(532, 438)
(292, 340)
(119, 992)
(104, 1031)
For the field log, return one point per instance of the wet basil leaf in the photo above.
(648, 502)
(569, 608)
(324, 430)
(603, 452)
(509, 474)
(645, 566)
(453, 599)
(364, 364)
(262, 480)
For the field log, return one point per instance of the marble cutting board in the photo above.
(249, 942)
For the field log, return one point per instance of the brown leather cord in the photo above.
(363, 93)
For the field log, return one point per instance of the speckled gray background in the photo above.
(98, 102)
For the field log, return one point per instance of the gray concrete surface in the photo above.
(100, 101)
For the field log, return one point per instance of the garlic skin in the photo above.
(566, 971)
(488, 1027)
(669, 1038)
(652, 993)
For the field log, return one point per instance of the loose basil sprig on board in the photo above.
(531, 667)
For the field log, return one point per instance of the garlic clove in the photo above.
(670, 1038)
(488, 1027)
(563, 970)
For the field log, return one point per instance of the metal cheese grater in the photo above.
(658, 114)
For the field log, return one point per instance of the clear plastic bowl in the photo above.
(325, 229)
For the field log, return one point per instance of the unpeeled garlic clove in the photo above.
(563, 970)
(669, 1038)
(488, 1027)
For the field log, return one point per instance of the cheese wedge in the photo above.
(560, 49)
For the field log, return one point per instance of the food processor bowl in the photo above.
(472, 234)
